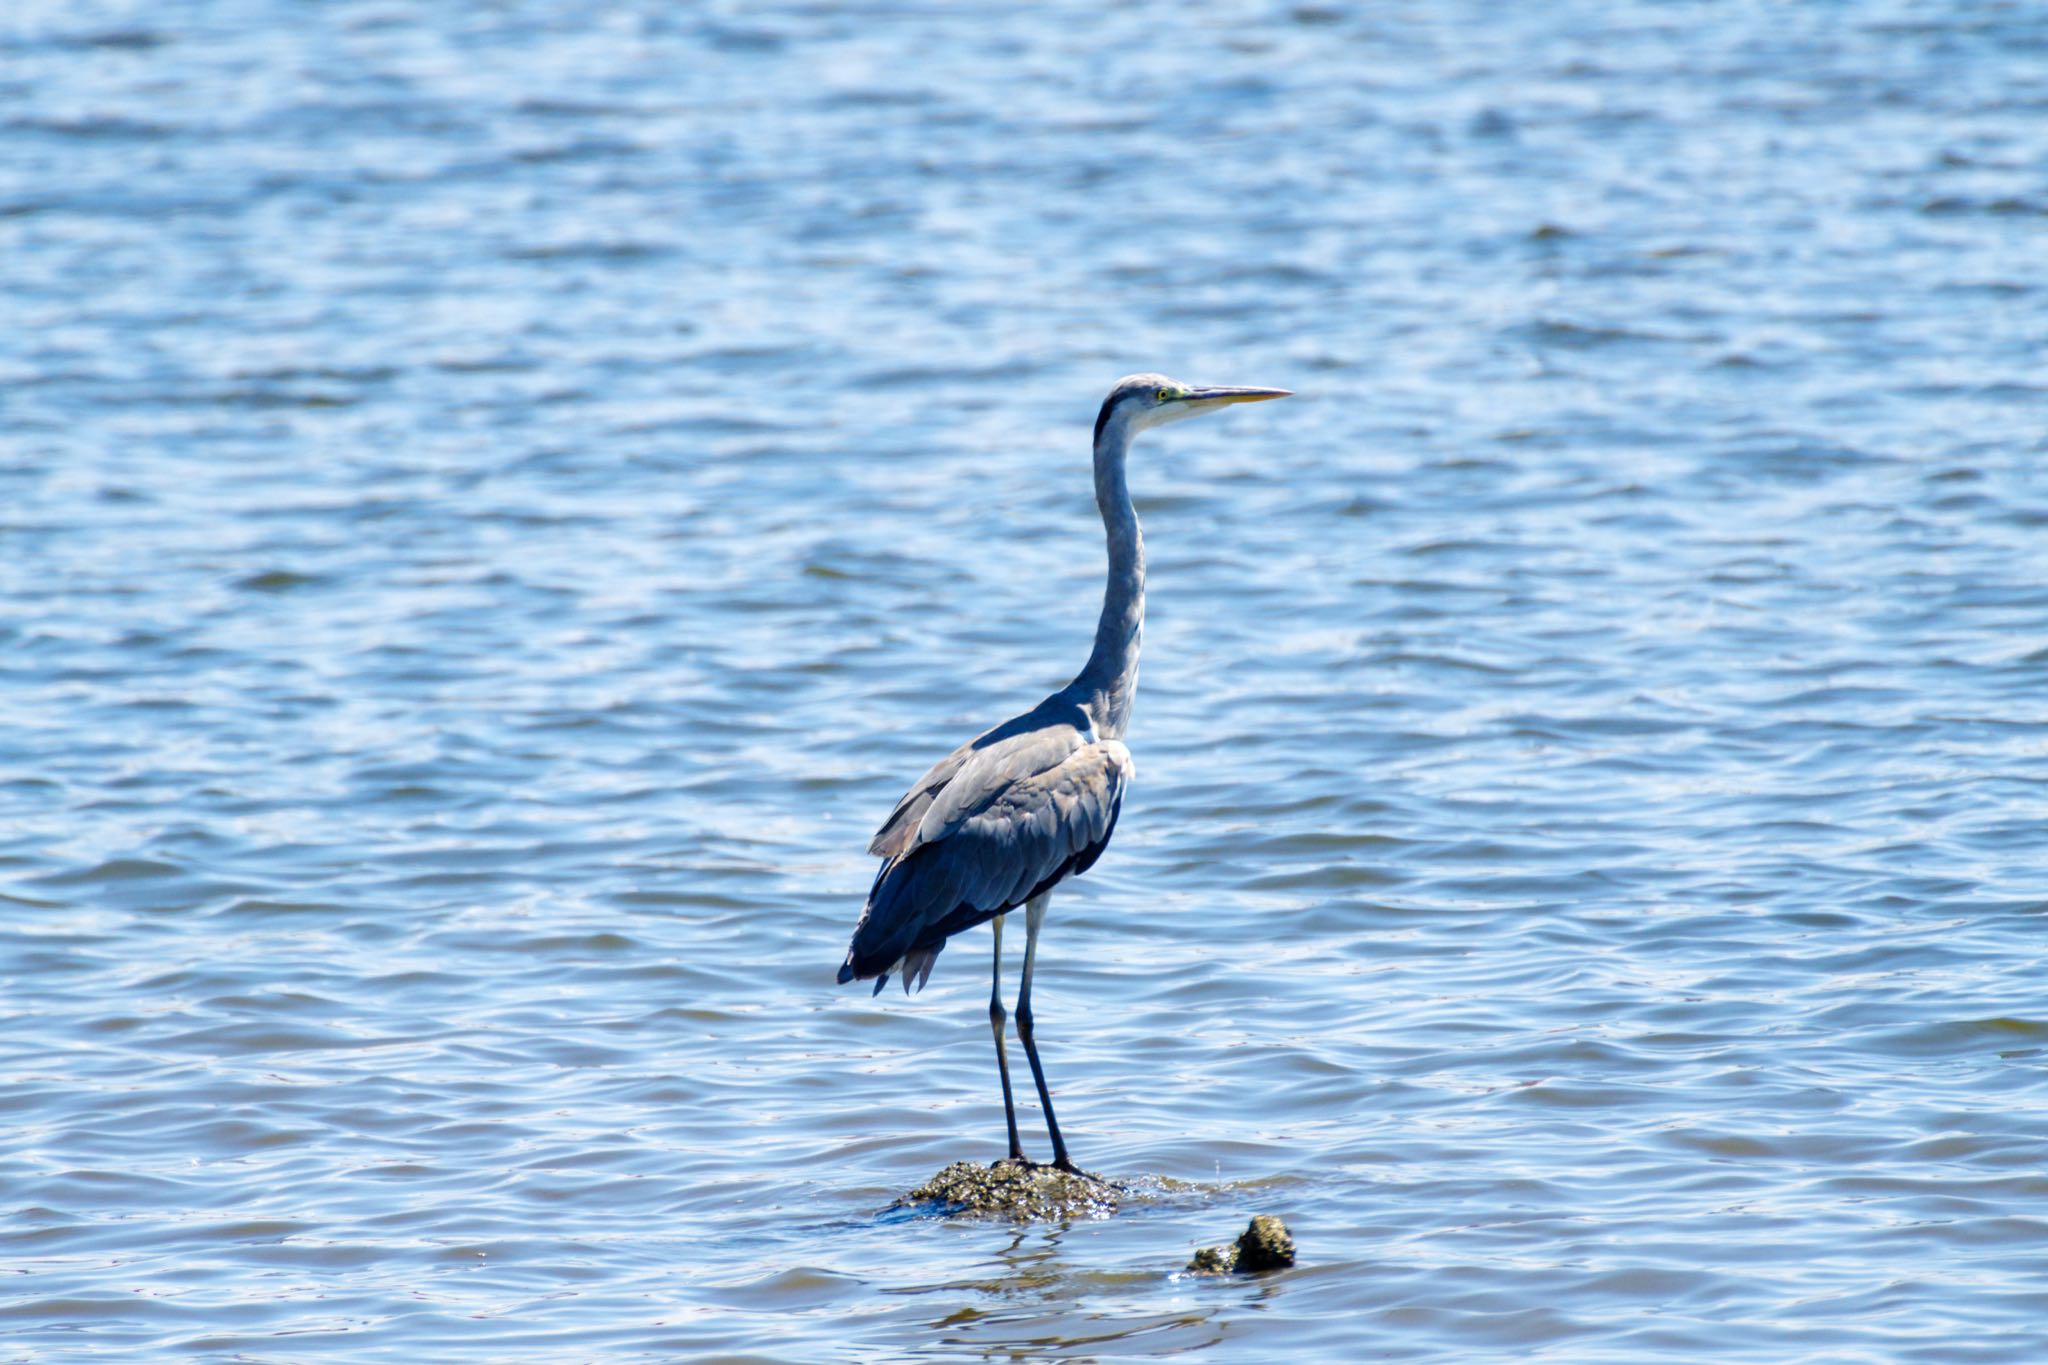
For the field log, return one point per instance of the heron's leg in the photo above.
(996, 1018)
(1034, 916)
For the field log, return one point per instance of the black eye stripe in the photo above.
(1126, 394)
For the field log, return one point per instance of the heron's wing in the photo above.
(894, 837)
(996, 770)
(1034, 830)
(1018, 814)
(1023, 745)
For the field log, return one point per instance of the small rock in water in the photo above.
(1022, 1190)
(1265, 1245)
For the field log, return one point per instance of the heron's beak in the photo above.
(1209, 399)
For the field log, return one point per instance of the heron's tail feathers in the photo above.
(917, 967)
(886, 931)
(849, 971)
(895, 919)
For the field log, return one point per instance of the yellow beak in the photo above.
(1221, 396)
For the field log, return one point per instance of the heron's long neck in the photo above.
(1110, 680)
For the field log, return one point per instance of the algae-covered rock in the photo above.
(1023, 1190)
(1265, 1245)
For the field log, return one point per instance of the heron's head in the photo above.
(1143, 401)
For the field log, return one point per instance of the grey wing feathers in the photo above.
(895, 834)
(1001, 843)
(993, 825)
(997, 776)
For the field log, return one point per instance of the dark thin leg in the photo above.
(1034, 916)
(995, 1023)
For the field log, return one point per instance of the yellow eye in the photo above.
(1164, 395)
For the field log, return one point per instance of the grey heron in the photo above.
(1010, 814)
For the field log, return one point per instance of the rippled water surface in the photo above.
(496, 502)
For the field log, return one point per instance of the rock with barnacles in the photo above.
(1021, 1190)
(1265, 1245)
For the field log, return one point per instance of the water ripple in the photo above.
(495, 507)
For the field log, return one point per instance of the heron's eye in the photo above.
(1164, 395)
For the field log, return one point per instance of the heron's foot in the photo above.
(1024, 1165)
(1063, 1164)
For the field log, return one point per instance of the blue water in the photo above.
(497, 501)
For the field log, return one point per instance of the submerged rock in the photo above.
(1023, 1190)
(1265, 1245)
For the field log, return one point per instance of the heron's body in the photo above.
(1000, 820)
(1004, 818)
